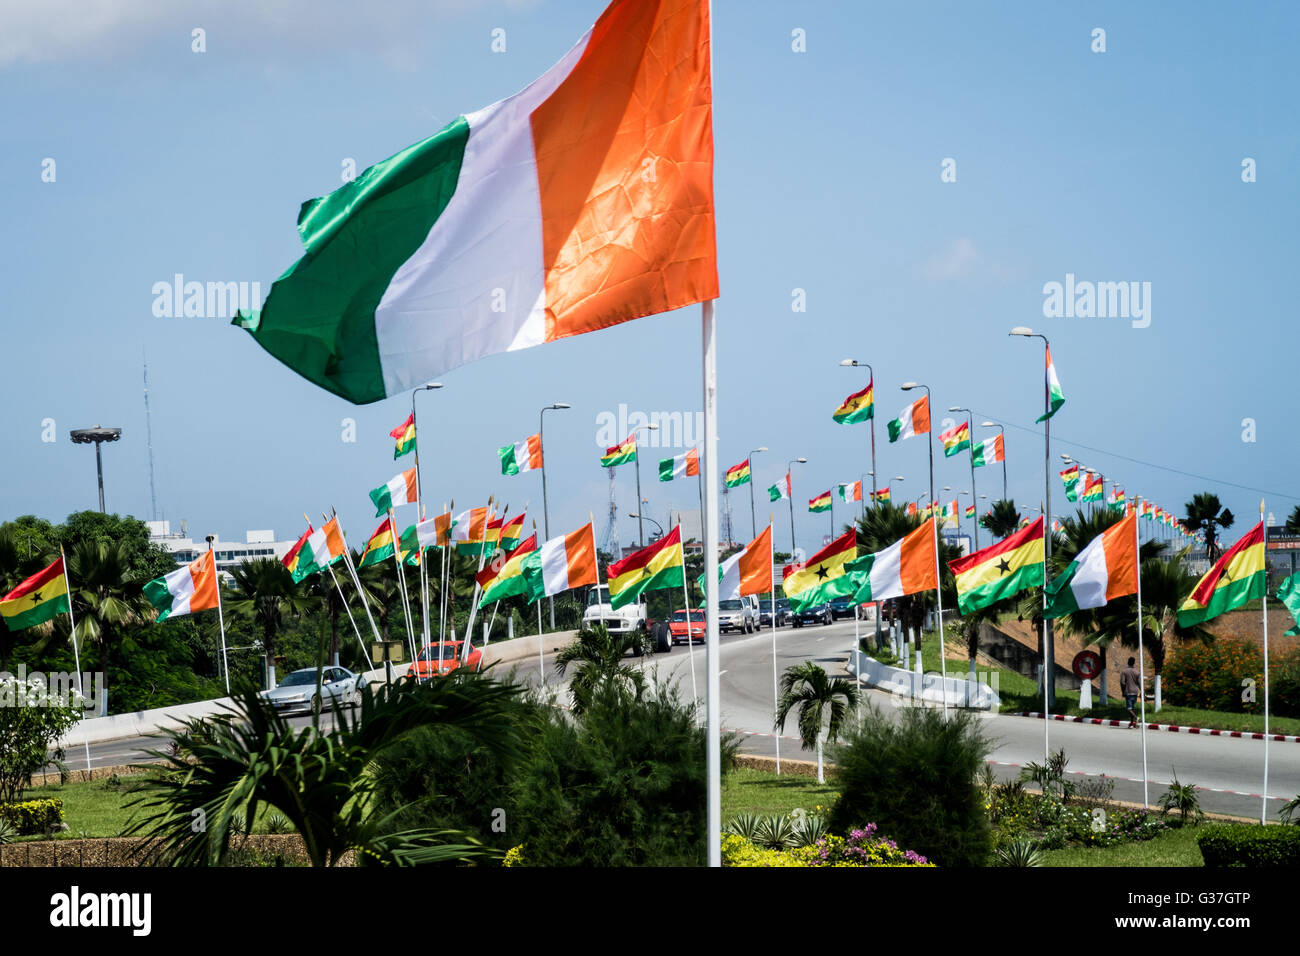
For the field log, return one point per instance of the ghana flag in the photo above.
(815, 581)
(509, 580)
(738, 474)
(620, 454)
(650, 569)
(1092, 488)
(380, 546)
(858, 407)
(1237, 577)
(41, 597)
(955, 439)
(821, 503)
(882, 494)
(1071, 478)
(404, 435)
(1000, 570)
(970, 511)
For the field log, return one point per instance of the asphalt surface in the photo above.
(1228, 771)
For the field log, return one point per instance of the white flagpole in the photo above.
(771, 560)
(351, 620)
(1142, 682)
(690, 641)
(221, 621)
(446, 572)
(709, 478)
(938, 597)
(356, 582)
(76, 654)
(473, 604)
(1263, 807)
(541, 659)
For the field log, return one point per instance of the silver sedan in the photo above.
(297, 692)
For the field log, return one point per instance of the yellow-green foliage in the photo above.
(33, 816)
(859, 849)
(514, 856)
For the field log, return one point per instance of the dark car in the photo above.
(818, 614)
(782, 612)
(841, 607)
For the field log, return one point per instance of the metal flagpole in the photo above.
(76, 654)
(938, 597)
(221, 621)
(1263, 806)
(541, 659)
(709, 472)
(1142, 681)
(473, 605)
(690, 639)
(776, 697)
(356, 582)
(446, 572)
(355, 630)
(401, 582)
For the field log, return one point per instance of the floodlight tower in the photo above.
(96, 436)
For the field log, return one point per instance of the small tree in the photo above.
(30, 723)
(596, 657)
(1002, 518)
(823, 705)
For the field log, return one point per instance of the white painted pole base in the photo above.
(1157, 682)
(1085, 695)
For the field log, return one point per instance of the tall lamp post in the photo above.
(96, 436)
(790, 488)
(753, 520)
(546, 517)
(419, 516)
(1003, 432)
(854, 363)
(970, 426)
(1049, 655)
(640, 525)
(637, 514)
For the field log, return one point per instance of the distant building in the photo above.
(256, 544)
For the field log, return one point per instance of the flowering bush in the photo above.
(862, 847)
(1018, 815)
(1209, 676)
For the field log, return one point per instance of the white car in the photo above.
(297, 692)
(738, 614)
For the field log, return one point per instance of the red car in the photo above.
(443, 658)
(677, 626)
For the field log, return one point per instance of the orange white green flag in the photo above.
(1055, 397)
(401, 489)
(186, 590)
(523, 455)
(562, 564)
(905, 567)
(587, 197)
(1104, 570)
(912, 420)
(682, 466)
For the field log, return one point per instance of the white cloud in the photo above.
(961, 260)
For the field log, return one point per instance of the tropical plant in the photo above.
(107, 598)
(1205, 513)
(8, 832)
(1290, 812)
(1292, 525)
(596, 658)
(1002, 518)
(744, 825)
(1183, 798)
(1019, 853)
(226, 768)
(884, 525)
(823, 705)
(264, 590)
(31, 723)
(917, 776)
(1049, 775)
(776, 831)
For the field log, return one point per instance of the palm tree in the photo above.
(15, 567)
(597, 660)
(107, 598)
(1292, 525)
(239, 763)
(823, 705)
(878, 529)
(1002, 518)
(265, 590)
(1205, 513)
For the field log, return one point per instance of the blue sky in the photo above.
(1117, 166)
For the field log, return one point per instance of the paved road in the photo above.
(1230, 771)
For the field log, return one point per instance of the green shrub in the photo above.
(1249, 845)
(33, 816)
(31, 721)
(1021, 853)
(918, 778)
(1209, 676)
(622, 785)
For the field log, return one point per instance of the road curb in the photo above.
(1169, 728)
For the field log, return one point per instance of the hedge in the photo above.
(1250, 845)
(33, 816)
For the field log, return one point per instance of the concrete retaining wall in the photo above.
(929, 687)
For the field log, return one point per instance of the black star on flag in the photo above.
(1004, 567)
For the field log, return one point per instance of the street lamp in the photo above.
(96, 436)
(970, 426)
(1003, 432)
(789, 487)
(640, 528)
(546, 518)
(753, 521)
(1049, 652)
(637, 514)
(871, 383)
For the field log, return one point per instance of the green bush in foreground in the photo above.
(917, 779)
(1250, 845)
(33, 816)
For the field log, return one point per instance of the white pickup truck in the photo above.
(630, 617)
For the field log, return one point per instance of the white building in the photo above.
(256, 544)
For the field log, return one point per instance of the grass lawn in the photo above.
(1021, 693)
(757, 791)
(1172, 848)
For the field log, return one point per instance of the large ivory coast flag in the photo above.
(185, 590)
(562, 563)
(851, 491)
(1000, 570)
(815, 581)
(780, 490)
(650, 569)
(583, 201)
(404, 435)
(36, 600)
(434, 532)
(1071, 478)
(955, 439)
(1237, 577)
(469, 530)
(1055, 397)
(745, 572)
(324, 547)
(989, 451)
(912, 420)
(685, 465)
(905, 567)
(737, 475)
(1104, 570)
(509, 578)
(619, 454)
(523, 455)
(400, 490)
(858, 407)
